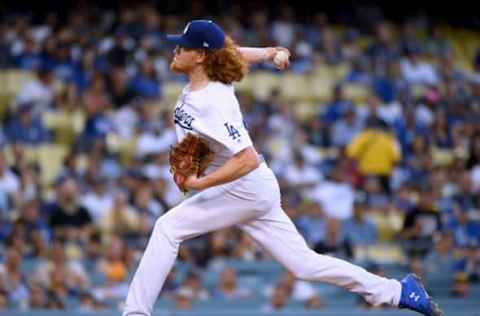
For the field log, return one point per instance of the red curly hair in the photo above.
(226, 64)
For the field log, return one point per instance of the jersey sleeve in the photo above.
(223, 122)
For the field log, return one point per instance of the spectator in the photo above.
(337, 107)
(171, 284)
(228, 287)
(330, 48)
(376, 151)
(62, 63)
(473, 163)
(118, 88)
(32, 223)
(345, 129)
(3, 301)
(155, 139)
(89, 304)
(313, 223)
(416, 71)
(12, 280)
(375, 196)
(99, 201)
(66, 217)
(183, 299)
(383, 49)
(114, 269)
(4, 58)
(29, 58)
(296, 290)
(442, 258)
(193, 286)
(441, 136)
(86, 68)
(119, 52)
(246, 249)
(30, 184)
(464, 229)
(26, 128)
(469, 265)
(332, 244)
(336, 195)
(278, 299)
(39, 92)
(70, 167)
(145, 83)
(300, 175)
(38, 297)
(359, 232)
(147, 207)
(96, 103)
(72, 273)
(58, 289)
(421, 225)
(9, 185)
(461, 286)
(121, 219)
(283, 29)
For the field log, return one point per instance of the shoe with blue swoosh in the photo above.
(415, 297)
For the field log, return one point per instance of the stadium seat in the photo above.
(295, 87)
(340, 71)
(246, 85)
(171, 91)
(321, 86)
(304, 109)
(124, 148)
(417, 90)
(15, 79)
(364, 41)
(65, 125)
(356, 92)
(263, 83)
(50, 158)
(5, 100)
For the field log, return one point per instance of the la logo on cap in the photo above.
(205, 44)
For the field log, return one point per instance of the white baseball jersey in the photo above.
(213, 113)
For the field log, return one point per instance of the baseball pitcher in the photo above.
(216, 159)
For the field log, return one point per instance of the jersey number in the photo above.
(232, 131)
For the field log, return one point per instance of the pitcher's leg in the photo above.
(278, 235)
(157, 261)
(207, 211)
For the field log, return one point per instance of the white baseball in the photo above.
(280, 58)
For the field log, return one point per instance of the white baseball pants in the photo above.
(253, 203)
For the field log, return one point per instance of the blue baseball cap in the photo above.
(200, 34)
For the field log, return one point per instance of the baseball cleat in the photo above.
(415, 297)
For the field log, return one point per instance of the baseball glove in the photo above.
(191, 156)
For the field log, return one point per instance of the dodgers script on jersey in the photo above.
(213, 113)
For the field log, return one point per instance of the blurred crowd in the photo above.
(395, 178)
